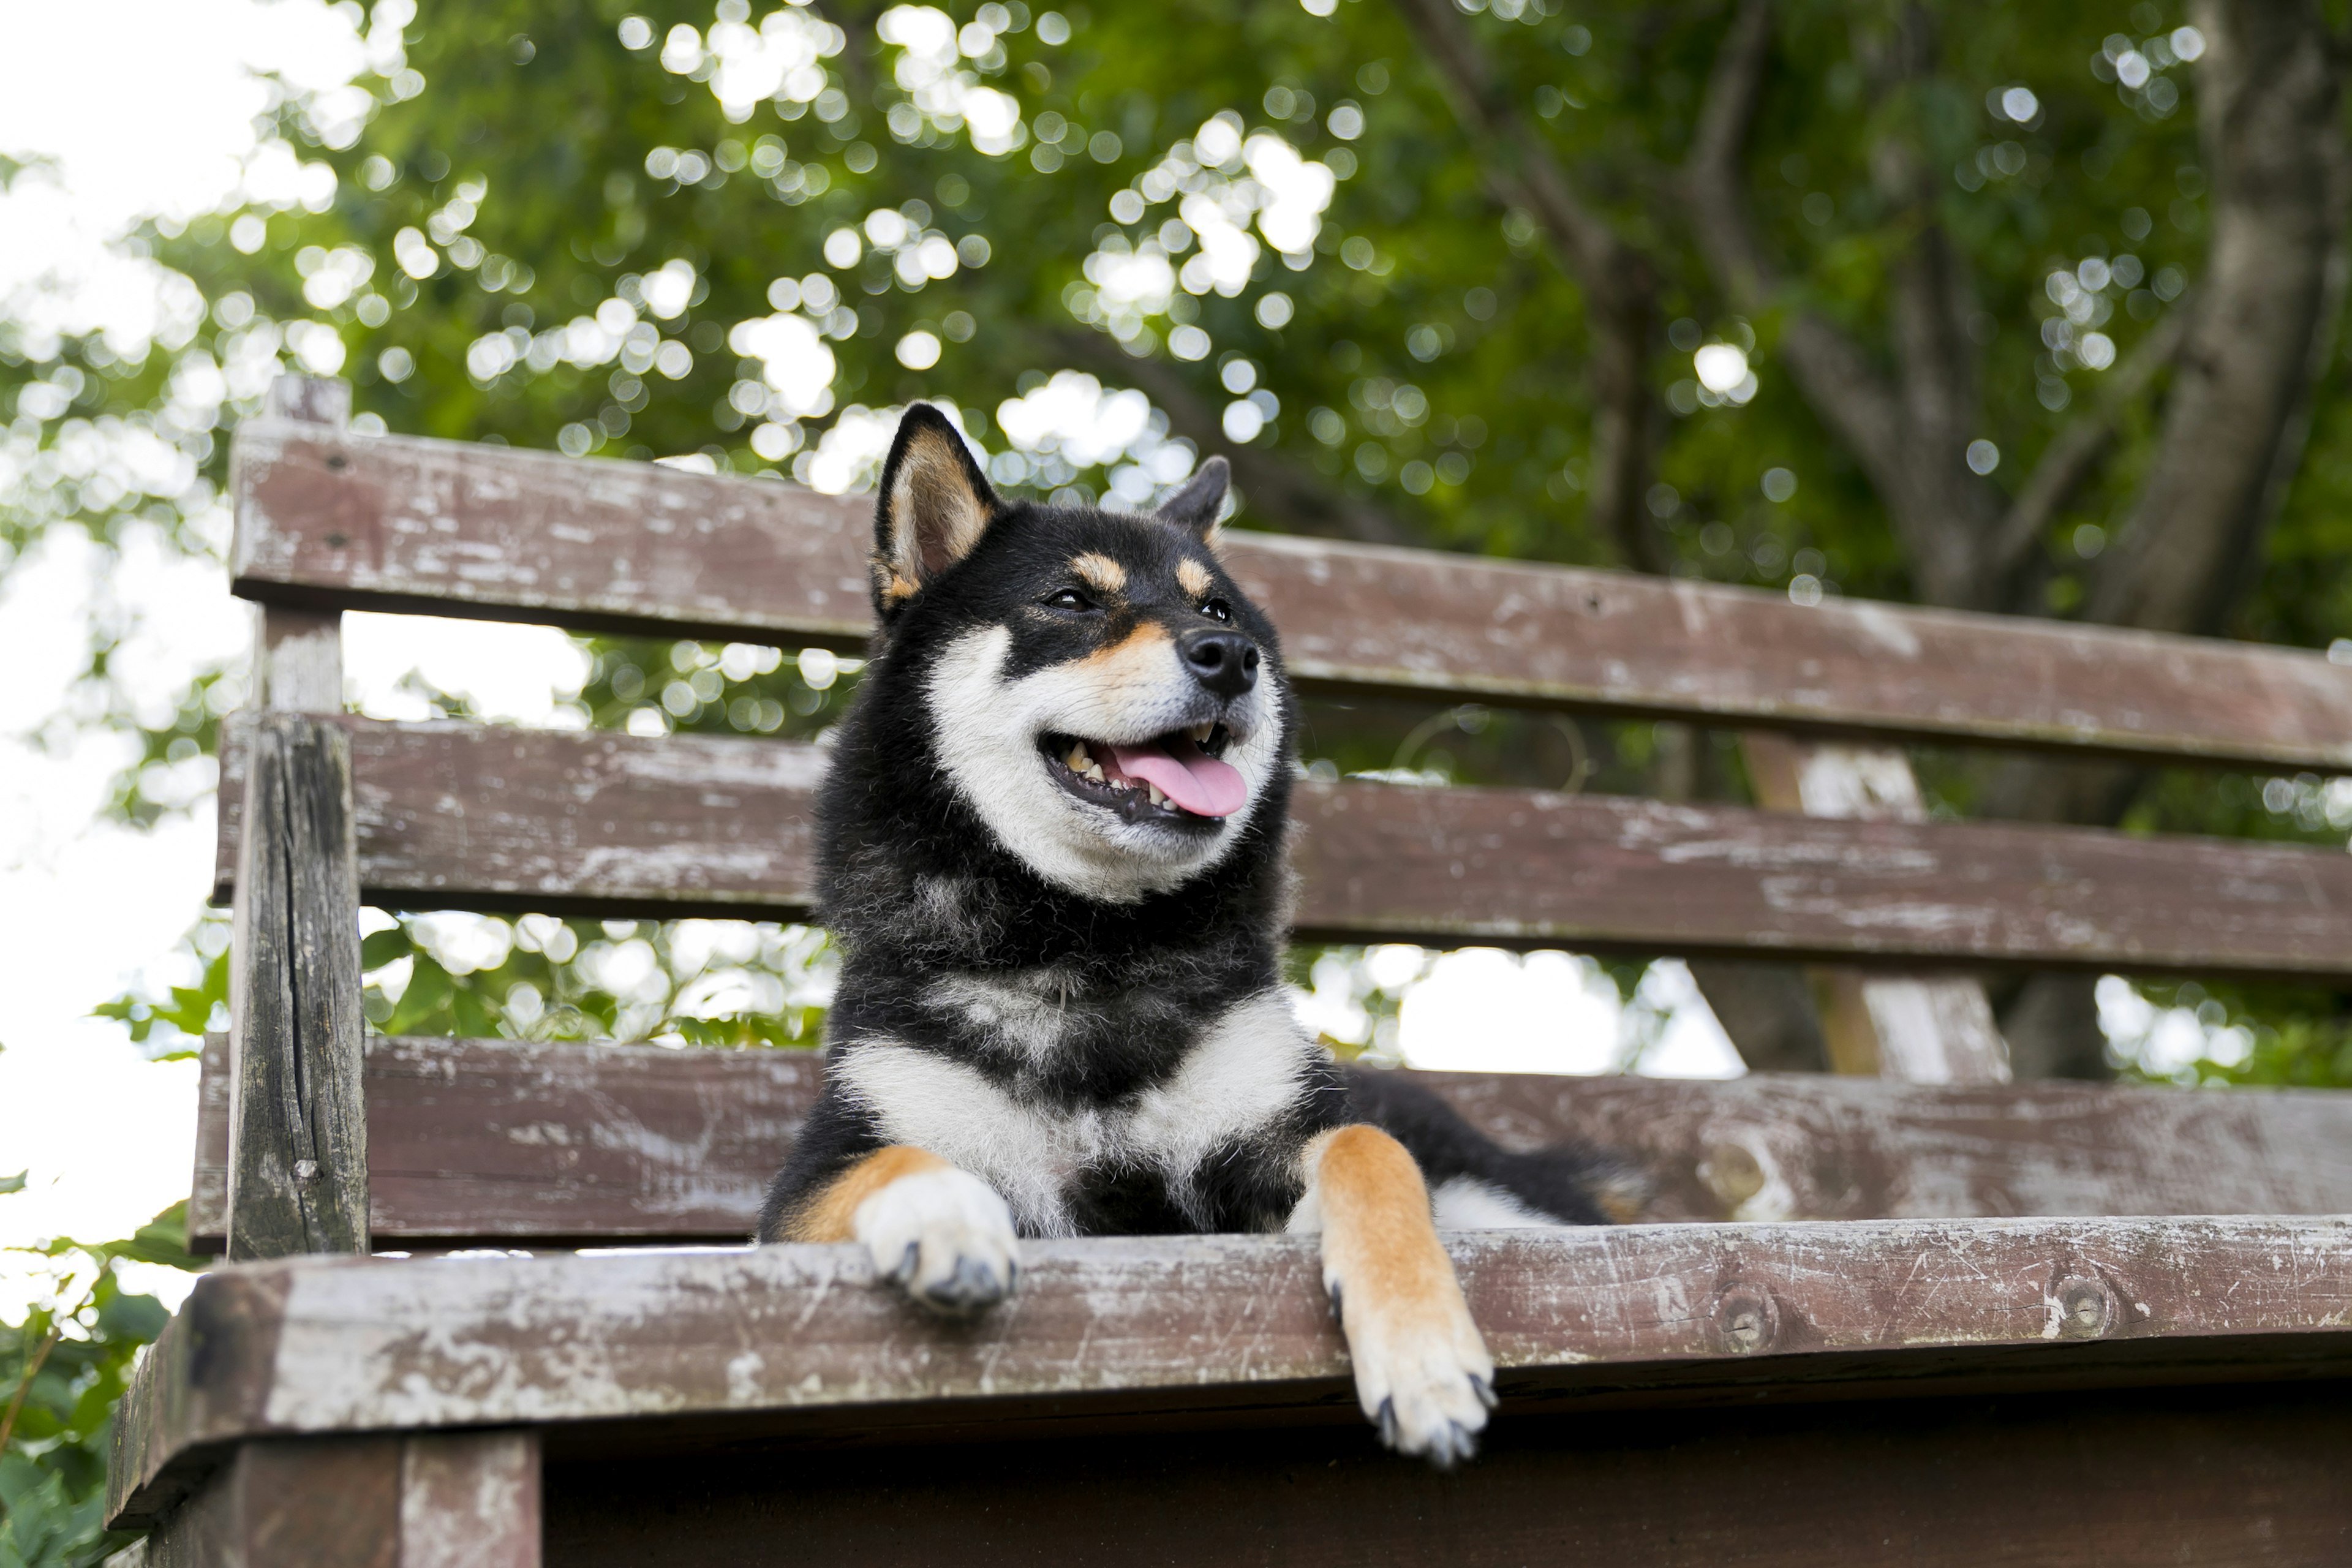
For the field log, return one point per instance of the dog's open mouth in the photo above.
(1180, 777)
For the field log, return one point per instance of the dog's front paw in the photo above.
(945, 1237)
(1422, 1374)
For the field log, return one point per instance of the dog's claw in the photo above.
(944, 1237)
(1452, 1445)
(1426, 1386)
(972, 1285)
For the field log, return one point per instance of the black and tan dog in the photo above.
(1051, 854)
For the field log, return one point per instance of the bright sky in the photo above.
(159, 123)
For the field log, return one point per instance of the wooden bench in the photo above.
(1949, 1322)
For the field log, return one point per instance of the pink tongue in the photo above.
(1186, 774)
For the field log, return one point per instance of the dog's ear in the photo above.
(1195, 507)
(935, 505)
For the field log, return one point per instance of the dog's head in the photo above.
(1093, 686)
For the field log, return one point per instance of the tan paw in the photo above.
(945, 1237)
(1423, 1376)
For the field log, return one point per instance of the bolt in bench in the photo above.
(1928, 1317)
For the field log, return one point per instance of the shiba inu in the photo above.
(1052, 852)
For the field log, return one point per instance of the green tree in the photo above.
(62, 1370)
(2010, 308)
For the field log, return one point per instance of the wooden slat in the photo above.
(326, 520)
(298, 1158)
(503, 1143)
(322, 1503)
(470, 1500)
(321, 1346)
(462, 816)
(1918, 1028)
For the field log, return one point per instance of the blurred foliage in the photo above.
(579, 226)
(2270, 1037)
(61, 1371)
(169, 1027)
(697, 982)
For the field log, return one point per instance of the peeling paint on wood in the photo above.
(1919, 1028)
(332, 520)
(453, 815)
(470, 1500)
(317, 1503)
(506, 1143)
(344, 1346)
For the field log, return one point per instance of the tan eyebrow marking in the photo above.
(1194, 577)
(1100, 572)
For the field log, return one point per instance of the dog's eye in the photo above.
(1068, 599)
(1218, 610)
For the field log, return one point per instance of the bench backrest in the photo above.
(458, 815)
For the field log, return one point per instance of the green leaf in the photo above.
(381, 947)
(164, 1239)
(14, 1183)
(137, 1318)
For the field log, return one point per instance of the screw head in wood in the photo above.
(2085, 1306)
(306, 1170)
(1747, 1319)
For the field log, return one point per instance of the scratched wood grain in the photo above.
(505, 1143)
(328, 519)
(453, 815)
(319, 1346)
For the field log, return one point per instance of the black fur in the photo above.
(920, 894)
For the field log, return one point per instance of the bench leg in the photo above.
(465, 1499)
(470, 1500)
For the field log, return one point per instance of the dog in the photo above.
(1051, 850)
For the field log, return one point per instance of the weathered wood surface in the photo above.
(2241, 1479)
(470, 1500)
(310, 400)
(454, 816)
(298, 1124)
(320, 1503)
(1921, 1028)
(328, 519)
(441, 1500)
(504, 1142)
(297, 659)
(321, 1346)
(461, 815)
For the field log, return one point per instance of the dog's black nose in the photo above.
(1225, 662)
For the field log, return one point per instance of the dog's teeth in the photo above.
(1080, 759)
(1202, 731)
(1093, 769)
(1157, 798)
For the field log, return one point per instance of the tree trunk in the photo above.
(2247, 345)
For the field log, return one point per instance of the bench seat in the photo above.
(662, 1354)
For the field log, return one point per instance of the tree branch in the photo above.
(2269, 104)
(1620, 286)
(1829, 367)
(2078, 449)
(1909, 439)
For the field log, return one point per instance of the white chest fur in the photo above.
(1243, 1072)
